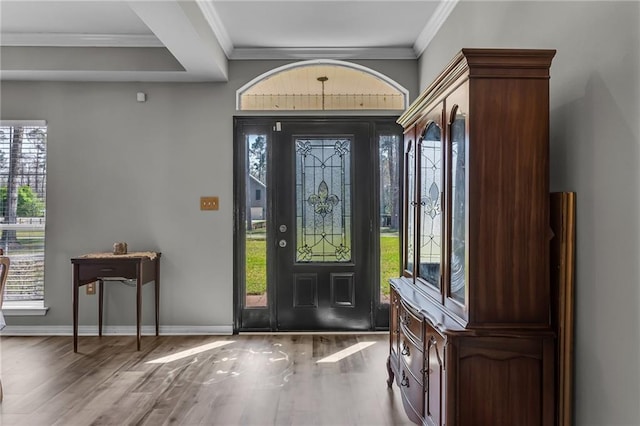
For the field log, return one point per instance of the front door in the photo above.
(323, 219)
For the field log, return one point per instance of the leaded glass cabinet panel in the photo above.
(410, 205)
(430, 162)
(458, 242)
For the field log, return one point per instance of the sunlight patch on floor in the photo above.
(190, 352)
(346, 352)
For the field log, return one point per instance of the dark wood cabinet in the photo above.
(471, 340)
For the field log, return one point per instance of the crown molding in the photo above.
(432, 27)
(217, 26)
(307, 53)
(110, 76)
(79, 40)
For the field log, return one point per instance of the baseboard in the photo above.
(114, 330)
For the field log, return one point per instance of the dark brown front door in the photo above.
(323, 219)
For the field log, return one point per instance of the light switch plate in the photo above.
(208, 203)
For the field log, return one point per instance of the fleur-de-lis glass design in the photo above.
(431, 203)
(342, 147)
(322, 202)
(303, 147)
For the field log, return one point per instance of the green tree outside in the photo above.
(29, 205)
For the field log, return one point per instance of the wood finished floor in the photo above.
(250, 380)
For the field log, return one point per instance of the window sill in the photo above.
(24, 309)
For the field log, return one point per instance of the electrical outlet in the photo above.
(91, 288)
(208, 203)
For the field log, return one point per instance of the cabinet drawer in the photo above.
(411, 324)
(412, 391)
(412, 357)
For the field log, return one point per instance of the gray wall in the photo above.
(119, 170)
(595, 95)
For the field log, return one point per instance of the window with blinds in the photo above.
(23, 182)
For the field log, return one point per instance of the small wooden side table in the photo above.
(144, 267)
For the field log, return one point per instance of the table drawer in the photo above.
(123, 269)
(411, 324)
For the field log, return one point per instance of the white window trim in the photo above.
(24, 308)
(15, 308)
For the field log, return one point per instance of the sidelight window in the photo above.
(255, 226)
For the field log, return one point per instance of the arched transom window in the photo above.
(322, 85)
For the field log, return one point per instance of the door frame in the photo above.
(264, 318)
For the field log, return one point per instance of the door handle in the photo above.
(282, 243)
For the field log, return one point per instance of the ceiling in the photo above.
(193, 40)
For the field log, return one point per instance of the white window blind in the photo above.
(23, 182)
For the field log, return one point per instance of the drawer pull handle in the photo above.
(405, 380)
(406, 320)
(433, 344)
(405, 349)
(107, 269)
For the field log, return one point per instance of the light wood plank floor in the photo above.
(234, 380)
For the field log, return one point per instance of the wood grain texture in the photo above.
(509, 203)
(256, 380)
(562, 283)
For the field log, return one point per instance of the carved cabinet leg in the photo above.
(389, 372)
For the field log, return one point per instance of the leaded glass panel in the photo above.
(411, 214)
(458, 207)
(323, 200)
(430, 205)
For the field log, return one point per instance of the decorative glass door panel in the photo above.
(458, 205)
(430, 220)
(323, 200)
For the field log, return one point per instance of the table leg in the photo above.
(157, 287)
(139, 304)
(74, 297)
(100, 304)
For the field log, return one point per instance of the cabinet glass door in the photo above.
(430, 211)
(409, 206)
(458, 205)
